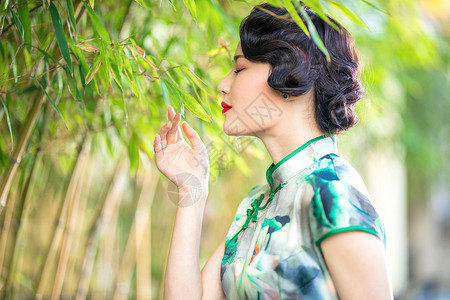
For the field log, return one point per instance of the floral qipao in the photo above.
(272, 249)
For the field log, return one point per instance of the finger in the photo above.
(163, 133)
(172, 133)
(171, 113)
(179, 135)
(158, 147)
(193, 137)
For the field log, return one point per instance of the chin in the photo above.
(227, 130)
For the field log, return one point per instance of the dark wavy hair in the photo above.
(299, 65)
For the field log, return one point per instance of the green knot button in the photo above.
(252, 213)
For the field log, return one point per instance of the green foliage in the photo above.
(109, 73)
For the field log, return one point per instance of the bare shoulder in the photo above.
(357, 264)
(211, 284)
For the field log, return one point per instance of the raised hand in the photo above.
(178, 161)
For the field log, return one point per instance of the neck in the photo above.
(285, 141)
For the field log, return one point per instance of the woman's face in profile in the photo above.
(251, 99)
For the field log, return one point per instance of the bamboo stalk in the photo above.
(144, 265)
(20, 210)
(144, 254)
(102, 217)
(135, 237)
(57, 233)
(6, 224)
(81, 232)
(20, 148)
(108, 263)
(7, 228)
(72, 197)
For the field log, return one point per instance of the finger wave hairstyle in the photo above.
(299, 65)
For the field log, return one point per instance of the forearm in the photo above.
(183, 276)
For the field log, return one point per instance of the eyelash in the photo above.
(237, 71)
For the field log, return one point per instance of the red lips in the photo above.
(225, 106)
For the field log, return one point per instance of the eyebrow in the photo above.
(236, 57)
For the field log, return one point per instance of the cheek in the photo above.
(248, 86)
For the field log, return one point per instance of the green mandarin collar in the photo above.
(300, 158)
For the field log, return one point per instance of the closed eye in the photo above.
(237, 71)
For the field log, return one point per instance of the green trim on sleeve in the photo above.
(350, 228)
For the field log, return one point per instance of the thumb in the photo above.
(192, 136)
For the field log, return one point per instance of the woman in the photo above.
(311, 232)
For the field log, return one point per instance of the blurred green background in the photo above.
(85, 87)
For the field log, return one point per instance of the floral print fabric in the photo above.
(272, 249)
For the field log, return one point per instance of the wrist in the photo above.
(191, 194)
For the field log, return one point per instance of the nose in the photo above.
(224, 86)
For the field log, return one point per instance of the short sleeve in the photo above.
(337, 207)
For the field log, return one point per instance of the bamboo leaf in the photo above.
(375, 7)
(141, 53)
(171, 3)
(87, 47)
(104, 71)
(188, 100)
(24, 17)
(5, 108)
(5, 5)
(117, 55)
(312, 29)
(126, 63)
(129, 73)
(165, 94)
(190, 4)
(93, 69)
(318, 10)
(60, 36)
(44, 78)
(144, 4)
(46, 54)
(49, 99)
(133, 154)
(14, 62)
(99, 28)
(116, 72)
(73, 88)
(291, 9)
(194, 77)
(116, 65)
(349, 14)
(85, 67)
(17, 21)
(71, 15)
(82, 75)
